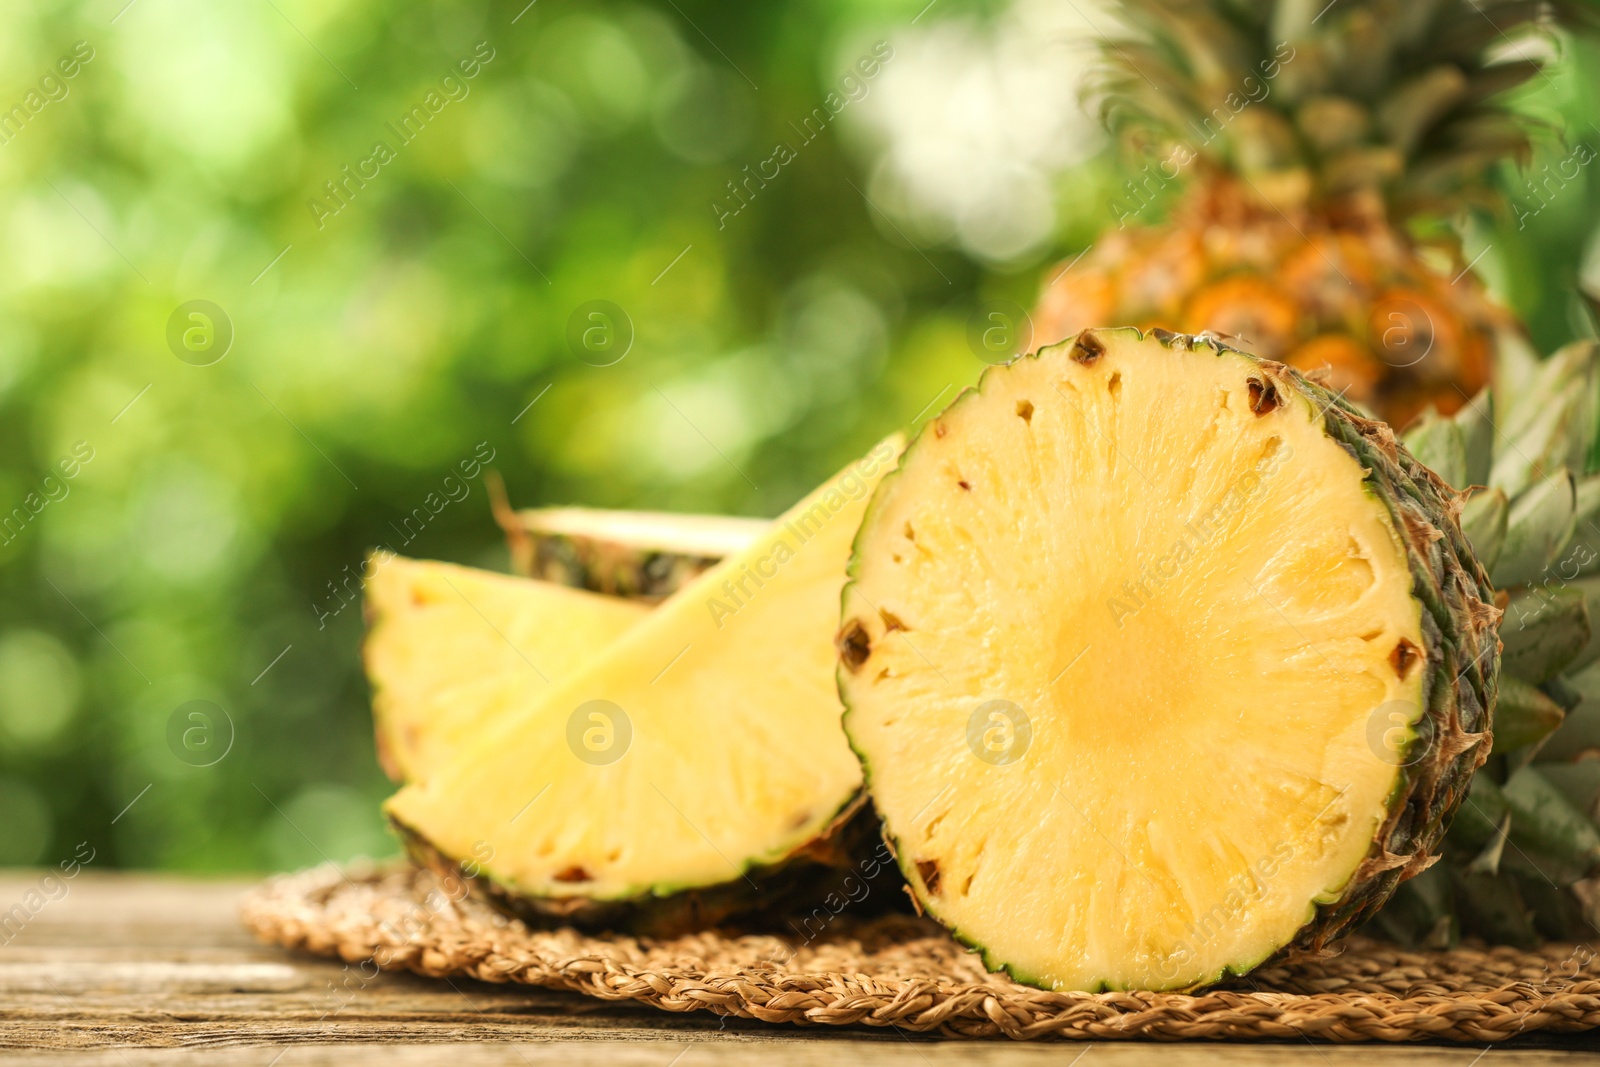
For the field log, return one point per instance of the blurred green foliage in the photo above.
(196, 555)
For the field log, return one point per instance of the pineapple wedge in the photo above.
(449, 649)
(1161, 660)
(682, 764)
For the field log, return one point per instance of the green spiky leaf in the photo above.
(1441, 446)
(1543, 631)
(1392, 95)
(1523, 715)
(1579, 735)
(1544, 821)
(1476, 420)
(1492, 904)
(1483, 520)
(1538, 526)
(1578, 781)
(1590, 588)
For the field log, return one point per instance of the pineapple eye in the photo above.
(854, 645)
(1403, 656)
(1087, 348)
(1263, 396)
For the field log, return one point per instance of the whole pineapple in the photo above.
(1313, 141)
(1522, 852)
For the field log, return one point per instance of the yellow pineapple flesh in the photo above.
(449, 649)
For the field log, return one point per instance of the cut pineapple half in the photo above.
(450, 649)
(701, 746)
(1136, 657)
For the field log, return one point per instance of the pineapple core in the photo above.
(1134, 657)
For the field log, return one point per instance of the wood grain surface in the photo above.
(140, 969)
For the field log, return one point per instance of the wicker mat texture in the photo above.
(906, 972)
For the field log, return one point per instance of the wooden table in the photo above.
(130, 969)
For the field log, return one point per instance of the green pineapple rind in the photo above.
(763, 891)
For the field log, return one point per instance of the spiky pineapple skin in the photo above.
(1462, 657)
(616, 571)
(1329, 288)
(1463, 663)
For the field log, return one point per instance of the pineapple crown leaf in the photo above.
(1403, 95)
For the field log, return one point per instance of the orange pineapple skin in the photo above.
(1333, 289)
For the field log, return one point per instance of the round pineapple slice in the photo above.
(1160, 660)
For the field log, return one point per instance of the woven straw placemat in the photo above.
(905, 972)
